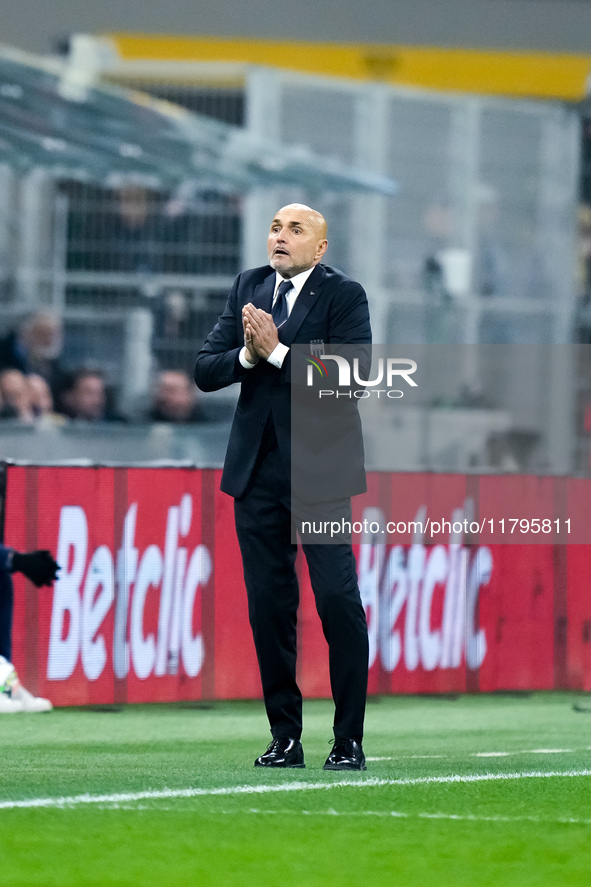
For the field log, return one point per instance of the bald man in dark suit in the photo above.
(293, 300)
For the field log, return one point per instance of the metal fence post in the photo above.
(34, 268)
(137, 359)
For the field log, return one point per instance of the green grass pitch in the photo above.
(487, 790)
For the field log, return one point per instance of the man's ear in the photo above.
(321, 248)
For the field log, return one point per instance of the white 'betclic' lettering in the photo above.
(71, 554)
(143, 649)
(395, 585)
(88, 587)
(397, 592)
(127, 561)
(97, 598)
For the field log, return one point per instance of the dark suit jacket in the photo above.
(329, 449)
(13, 357)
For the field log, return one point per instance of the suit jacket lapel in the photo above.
(307, 297)
(262, 296)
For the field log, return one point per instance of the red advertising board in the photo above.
(150, 604)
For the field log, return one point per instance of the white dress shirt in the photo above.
(277, 356)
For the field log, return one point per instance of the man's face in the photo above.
(15, 390)
(42, 337)
(174, 396)
(297, 240)
(89, 398)
(40, 393)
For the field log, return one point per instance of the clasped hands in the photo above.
(260, 333)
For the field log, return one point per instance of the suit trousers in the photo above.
(264, 528)
(6, 605)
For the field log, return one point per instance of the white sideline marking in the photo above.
(491, 754)
(396, 814)
(551, 751)
(484, 754)
(407, 758)
(359, 782)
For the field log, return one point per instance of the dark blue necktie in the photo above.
(279, 310)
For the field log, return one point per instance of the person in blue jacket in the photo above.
(41, 569)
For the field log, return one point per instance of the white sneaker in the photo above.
(9, 705)
(8, 683)
(13, 696)
(29, 702)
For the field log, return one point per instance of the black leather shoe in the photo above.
(346, 754)
(282, 752)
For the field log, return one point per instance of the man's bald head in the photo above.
(297, 239)
(314, 218)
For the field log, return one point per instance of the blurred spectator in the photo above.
(491, 269)
(34, 347)
(201, 237)
(42, 400)
(490, 266)
(16, 395)
(40, 395)
(172, 314)
(134, 228)
(113, 230)
(439, 230)
(445, 275)
(84, 397)
(133, 239)
(6, 411)
(448, 269)
(174, 399)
